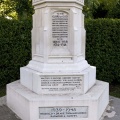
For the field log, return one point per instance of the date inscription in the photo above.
(63, 112)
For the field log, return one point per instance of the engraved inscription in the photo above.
(61, 83)
(63, 112)
(60, 28)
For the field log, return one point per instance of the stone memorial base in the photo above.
(58, 78)
(31, 106)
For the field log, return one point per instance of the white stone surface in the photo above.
(58, 46)
(43, 48)
(56, 80)
(26, 103)
(36, 2)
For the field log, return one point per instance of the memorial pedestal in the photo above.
(58, 64)
(31, 106)
(58, 83)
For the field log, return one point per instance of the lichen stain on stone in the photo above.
(110, 112)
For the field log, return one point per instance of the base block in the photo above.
(31, 106)
(58, 82)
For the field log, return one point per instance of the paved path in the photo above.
(5, 112)
(112, 112)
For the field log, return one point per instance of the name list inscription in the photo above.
(61, 83)
(63, 112)
(60, 28)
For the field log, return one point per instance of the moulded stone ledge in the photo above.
(35, 2)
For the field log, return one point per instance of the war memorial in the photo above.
(58, 83)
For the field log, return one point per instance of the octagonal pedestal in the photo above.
(31, 106)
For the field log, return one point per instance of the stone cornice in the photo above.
(36, 2)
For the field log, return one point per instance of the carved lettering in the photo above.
(60, 29)
(61, 83)
(63, 112)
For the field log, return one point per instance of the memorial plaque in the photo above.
(61, 83)
(63, 112)
(60, 28)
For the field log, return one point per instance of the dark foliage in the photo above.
(100, 12)
(103, 48)
(15, 48)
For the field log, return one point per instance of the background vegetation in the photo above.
(15, 48)
(22, 9)
(16, 9)
(102, 9)
(103, 48)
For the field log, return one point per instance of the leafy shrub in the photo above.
(15, 48)
(103, 48)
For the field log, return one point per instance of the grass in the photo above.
(114, 90)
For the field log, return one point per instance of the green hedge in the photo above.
(103, 48)
(15, 45)
(102, 51)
